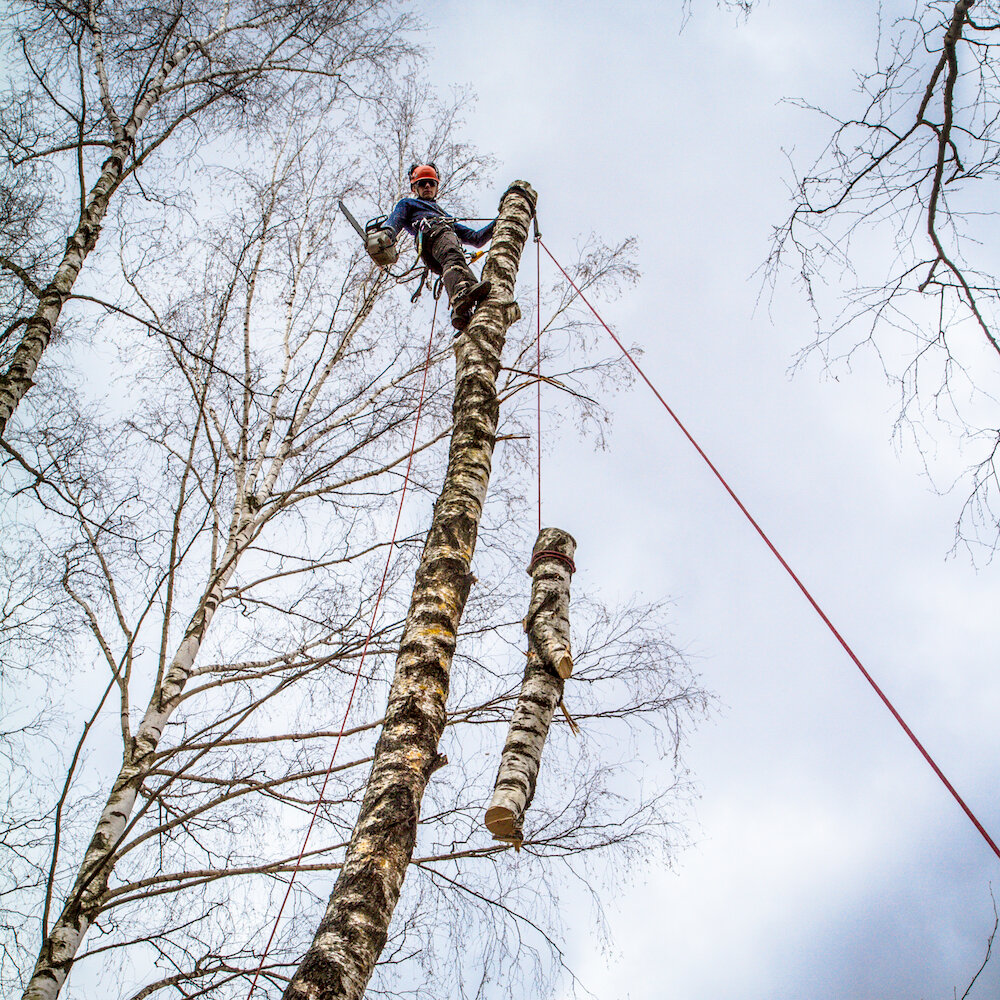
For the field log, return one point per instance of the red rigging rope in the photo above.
(364, 651)
(767, 541)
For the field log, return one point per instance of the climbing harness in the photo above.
(421, 268)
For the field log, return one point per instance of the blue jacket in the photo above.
(416, 215)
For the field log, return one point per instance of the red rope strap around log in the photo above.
(549, 554)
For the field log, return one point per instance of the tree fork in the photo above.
(354, 929)
(549, 664)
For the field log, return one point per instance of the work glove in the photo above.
(381, 247)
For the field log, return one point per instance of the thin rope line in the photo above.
(767, 541)
(538, 380)
(364, 651)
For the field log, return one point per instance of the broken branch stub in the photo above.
(550, 662)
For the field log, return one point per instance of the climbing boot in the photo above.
(468, 296)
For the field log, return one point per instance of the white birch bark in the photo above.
(19, 377)
(248, 44)
(354, 928)
(59, 949)
(550, 662)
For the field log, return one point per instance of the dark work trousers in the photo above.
(444, 254)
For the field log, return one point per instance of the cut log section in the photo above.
(550, 662)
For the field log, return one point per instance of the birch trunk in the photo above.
(19, 377)
(354, 928)
(549, 664)
(84, 903)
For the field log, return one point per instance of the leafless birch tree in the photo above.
(98, 90)
(355, 927)
(909, 177)
(213, 536)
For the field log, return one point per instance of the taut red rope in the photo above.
(767, 541)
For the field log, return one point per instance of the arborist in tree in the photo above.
(438, 237)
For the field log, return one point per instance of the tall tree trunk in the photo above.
(354, 928)
(19, 377)
(549, 664)
(58, 950)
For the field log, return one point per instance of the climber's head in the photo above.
(424, 180)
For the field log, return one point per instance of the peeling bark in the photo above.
(549, 664)
(354, 928)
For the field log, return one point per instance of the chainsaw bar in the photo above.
(350, 218)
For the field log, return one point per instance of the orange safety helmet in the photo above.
(423, 172)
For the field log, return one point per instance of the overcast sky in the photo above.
(827, 860)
